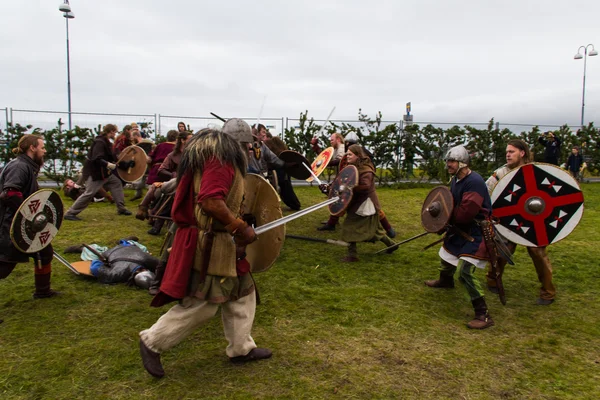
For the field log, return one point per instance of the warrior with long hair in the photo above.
(206, 269)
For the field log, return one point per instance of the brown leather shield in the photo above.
(437, 209)
(321, 162)
(37, 221)
(537, 205)
(296, 169)
(342, 187)
(138, 156)
(261, 206)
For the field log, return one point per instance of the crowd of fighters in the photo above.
(204, 174)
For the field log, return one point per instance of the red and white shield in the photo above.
(537, 205)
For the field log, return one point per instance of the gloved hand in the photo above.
(243, 234)
(126, 164)
(111, 166)
(324, 188)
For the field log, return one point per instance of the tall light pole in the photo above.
(65, 8)
(578, 56)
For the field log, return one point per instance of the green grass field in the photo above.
(365, 330)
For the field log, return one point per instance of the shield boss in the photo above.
(37, 221)
(437, 209)
(261, 206)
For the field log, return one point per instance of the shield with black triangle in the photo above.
(537, 204)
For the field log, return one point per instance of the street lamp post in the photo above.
(578, 56)
(65, 8)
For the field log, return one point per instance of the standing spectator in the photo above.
(552, 145)
(181, 127)
(158, 155)
(98, 168)
(575, 162)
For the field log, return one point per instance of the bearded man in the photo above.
(463, 246)
(206, 268)
(518, 154)
(18, 181)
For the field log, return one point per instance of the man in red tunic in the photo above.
(206, 268)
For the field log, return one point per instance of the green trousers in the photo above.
(466, 277)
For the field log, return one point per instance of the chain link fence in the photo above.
(160, 124)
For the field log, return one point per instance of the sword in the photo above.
(312, 173)
(396, 245)
(326, 121)
(291, 217)
(65, 263)
(260, 112)
(217, 117)
(311, 239)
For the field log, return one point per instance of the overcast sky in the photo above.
(456, 61)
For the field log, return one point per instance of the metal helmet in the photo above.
(144, 279)
(239, 129)
(458, 153)
(352, 138)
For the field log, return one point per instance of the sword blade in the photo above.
(325, 124)
(312, 239)
(65, 263)
(396, 245)
(312, 173)
(291, 217)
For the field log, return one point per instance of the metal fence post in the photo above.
(156, 125)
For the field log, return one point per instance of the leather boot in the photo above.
(445, 281)
(482, 318)
(138, 195)
(352, 253)
(255, 354)
(42, 283)
(151, 361)
(155, 285)
(142, 212)
(156, 227)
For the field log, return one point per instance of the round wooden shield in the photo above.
(321, 162)
(437, 209)
(37, 221)
(537, 205)
(261, 206)
(342, 187)
(138, 156)
(297, 170)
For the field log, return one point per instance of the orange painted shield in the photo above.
(321, 162)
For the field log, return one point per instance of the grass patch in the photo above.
(364, 330)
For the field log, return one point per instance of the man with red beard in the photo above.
(18, 181)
